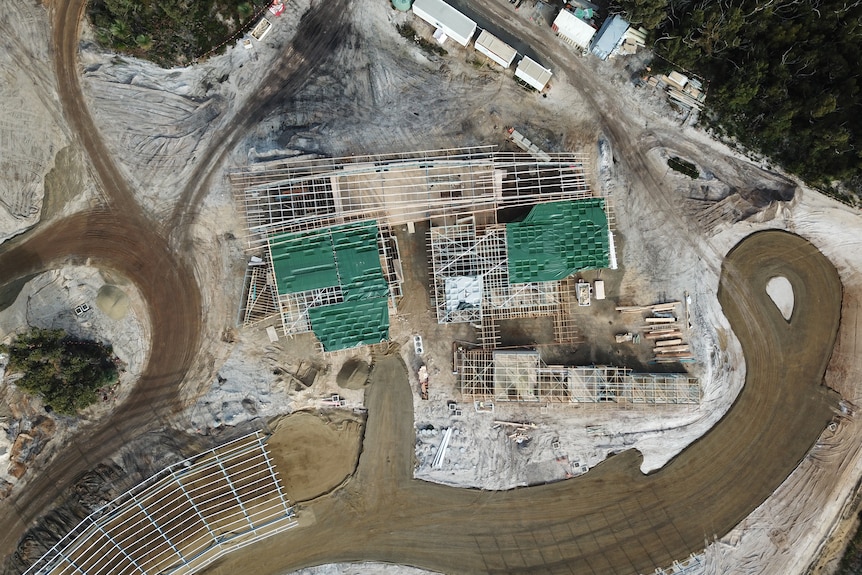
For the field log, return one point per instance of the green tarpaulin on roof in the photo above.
(350, 324)
(345, 256)
(558, 239)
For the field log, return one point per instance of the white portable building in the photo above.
(444, 17)
(573, 30)
(599, 289)
(495, 49)
(532, 73)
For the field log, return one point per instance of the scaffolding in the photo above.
(521, 376)
(180, 520)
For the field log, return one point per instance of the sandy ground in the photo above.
(397, 96)
(49, 301)
(315, 453)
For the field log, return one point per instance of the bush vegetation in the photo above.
(784, 75)
(170, 32)
(683, 167)
(64, 371)
(851, 561)
(407, 31)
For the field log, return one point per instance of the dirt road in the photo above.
(613, 519)
(122, 238)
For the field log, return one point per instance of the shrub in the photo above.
(64, 371)
(683, 167)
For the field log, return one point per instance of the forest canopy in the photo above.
(65, 371)
(170, 32)
(783, 75)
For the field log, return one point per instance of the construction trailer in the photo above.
(533, 73)
(609, 37)
(573, 30)
(447, 19)
(495, 49)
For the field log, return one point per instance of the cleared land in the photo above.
(613, 519)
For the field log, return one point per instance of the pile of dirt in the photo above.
(113, 301)
(353, 374)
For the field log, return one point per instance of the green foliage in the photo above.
(647, 13)
(851, 562)
(64, 371)
(170, 32)
(784, 75)
(683, 167)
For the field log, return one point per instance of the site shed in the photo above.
(495, 49)
(532, 73)
(444, 17)
(573, 30)
(610, 36)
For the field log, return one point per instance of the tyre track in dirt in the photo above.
(614, 519)
(321, 31)
(116, 237)
(120, 237)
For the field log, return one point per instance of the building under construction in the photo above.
(317, 223)
(522, 376)
(485, 273)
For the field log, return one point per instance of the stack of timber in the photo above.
(662, 327)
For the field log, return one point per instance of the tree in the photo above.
(64, 371)
(647, 13)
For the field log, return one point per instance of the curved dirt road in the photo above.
(614, 519)
(122, 238)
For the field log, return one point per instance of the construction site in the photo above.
(411, 303)
(324, 259)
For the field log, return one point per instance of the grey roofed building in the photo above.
(609, 37)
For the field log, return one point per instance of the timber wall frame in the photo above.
(309, 193)
(465, 250)
(312, 193)
(484, 378)
(181, 519)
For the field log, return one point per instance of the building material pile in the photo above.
(664, 330)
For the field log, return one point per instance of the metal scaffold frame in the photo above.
(521, 376)
(181, 519)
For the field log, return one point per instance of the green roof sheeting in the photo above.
(303, 262)
(351, 324)
(557, 239)
(344, 256)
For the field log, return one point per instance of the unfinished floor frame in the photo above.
(181, 519)
(521, 376)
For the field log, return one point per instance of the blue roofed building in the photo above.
(609, 36)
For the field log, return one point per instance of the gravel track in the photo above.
(611, 520)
